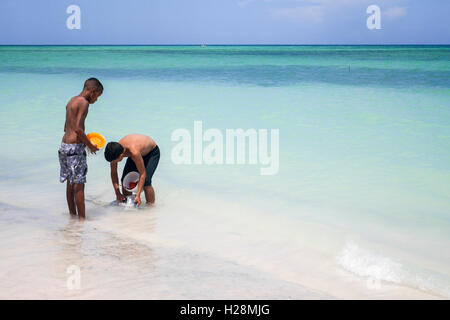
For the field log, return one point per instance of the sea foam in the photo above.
(367, 264)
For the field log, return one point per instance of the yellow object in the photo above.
(96, 139)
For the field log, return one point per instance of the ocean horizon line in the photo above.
(217, 44)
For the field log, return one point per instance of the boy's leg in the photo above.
(149, 194)
(70, 199)
(79, 199)
(150, 168)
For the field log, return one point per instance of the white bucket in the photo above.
(131, 180)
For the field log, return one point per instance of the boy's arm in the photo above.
(137, 158)
(81, 116)
(115, 182)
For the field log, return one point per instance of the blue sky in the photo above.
(225, 22)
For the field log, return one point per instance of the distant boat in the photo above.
(203, 45)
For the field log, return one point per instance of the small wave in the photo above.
(367, 264)
(376, 267)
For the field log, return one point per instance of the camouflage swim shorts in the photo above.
(72, 158)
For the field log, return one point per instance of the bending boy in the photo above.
(72, 153)
(143, 157)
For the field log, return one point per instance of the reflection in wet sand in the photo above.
(107, 262)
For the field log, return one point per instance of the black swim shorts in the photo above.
(151, 160)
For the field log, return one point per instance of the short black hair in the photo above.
(93, 83)
(112, 151)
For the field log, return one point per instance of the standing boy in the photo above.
(72, 153)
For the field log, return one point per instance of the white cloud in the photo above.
(335, 2)
(298, 14)
(315, 11)
(243, 3)
(394, 12)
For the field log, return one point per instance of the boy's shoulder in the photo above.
(78, 101)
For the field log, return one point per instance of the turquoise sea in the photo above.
(360, 206)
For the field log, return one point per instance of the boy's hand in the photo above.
(93, 148)
(137, 200)
(120, 197)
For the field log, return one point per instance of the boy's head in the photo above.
(114, 152)
(93, 88)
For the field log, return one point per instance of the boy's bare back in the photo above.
(138, 143)
(76, 112)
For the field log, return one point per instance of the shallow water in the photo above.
(359, 207)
